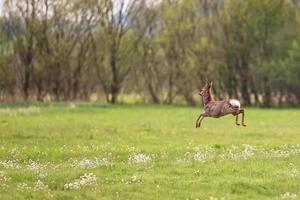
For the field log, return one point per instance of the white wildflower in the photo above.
(248, 151)
(90, 163)
(132, 180)
(15, 111)
(199, 157)
(10, 164)
(14, 153)
(42, 175)
(23, 187)
(3, 180)
(279, 153)
(40, 186)
(235, 153)
(3, 177)
(83, 181)
(293, 169)
(140, 158)
(288, 196)
(34, 166)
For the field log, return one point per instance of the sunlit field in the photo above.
(90, 151)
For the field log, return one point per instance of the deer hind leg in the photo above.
(243, 116)
(199, 120)
(237, 119)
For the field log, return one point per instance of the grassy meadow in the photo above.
(91, 151)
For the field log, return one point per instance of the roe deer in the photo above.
(218, 109)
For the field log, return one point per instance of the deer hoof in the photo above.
(244, 125)
(238, 124)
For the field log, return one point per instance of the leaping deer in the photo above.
(218, 109)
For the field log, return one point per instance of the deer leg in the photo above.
(237, 119)
(199, 120)
(243, 116)
(199, 124)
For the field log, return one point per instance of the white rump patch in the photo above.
(235, 103)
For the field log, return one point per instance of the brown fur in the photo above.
(217, 109)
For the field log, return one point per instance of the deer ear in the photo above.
(210, 83)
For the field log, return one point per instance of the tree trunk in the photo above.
(25, 86)
(39, 90)
(154, 97)
(245, 91)
(281, 96)
(254, 91)
(115, 80)
(169, 99)
(75, 86)
(267, 94)
(256, 99)
(56, 78)
(27, 61)
(244, 73)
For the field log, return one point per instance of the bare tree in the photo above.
(117, 46)
(23, 16)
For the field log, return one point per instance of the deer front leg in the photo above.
(200, 116)
(199, 120)
(243, 116)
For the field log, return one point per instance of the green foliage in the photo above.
(163, 51)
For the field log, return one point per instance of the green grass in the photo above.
(181, 162)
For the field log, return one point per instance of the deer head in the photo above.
(206, 88)
(205, 92)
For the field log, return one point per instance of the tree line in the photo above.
(153, 51)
